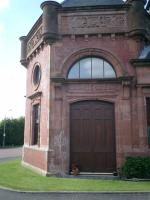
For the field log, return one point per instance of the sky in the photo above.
(16, 19)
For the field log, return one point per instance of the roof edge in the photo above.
(36, 24)
(79, 8)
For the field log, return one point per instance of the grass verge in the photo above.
(14, 176)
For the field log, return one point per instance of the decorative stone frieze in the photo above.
(34, 40)
(91, 23)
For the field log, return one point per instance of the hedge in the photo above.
(136, 167)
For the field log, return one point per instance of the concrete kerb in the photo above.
(9, 159)
(73, 192)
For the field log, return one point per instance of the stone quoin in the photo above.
(88, 86)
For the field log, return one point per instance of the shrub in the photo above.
(136, 167)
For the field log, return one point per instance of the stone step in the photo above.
(103, 176)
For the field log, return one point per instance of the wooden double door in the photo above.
(92, 137)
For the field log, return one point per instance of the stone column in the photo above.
(23, 58)
(50, 20)
(140, 117)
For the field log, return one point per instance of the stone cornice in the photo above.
(35, 95)
(94, 8)
(125, 80)
(140, 62)
(34, 27)
(24, 63)
(139, 32)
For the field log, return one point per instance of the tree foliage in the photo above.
(14, 129)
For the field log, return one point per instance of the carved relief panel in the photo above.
(100, 89)
(88, 23)
(34, 40)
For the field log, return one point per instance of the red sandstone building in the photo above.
(88, 86)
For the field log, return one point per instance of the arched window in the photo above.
(91, 68)
(36, 75)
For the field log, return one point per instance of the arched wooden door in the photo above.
(92, 136)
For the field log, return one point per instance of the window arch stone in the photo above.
(119, 68)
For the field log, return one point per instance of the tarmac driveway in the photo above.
(9, 195)
(10, 154)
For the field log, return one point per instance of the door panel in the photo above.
(92, 137)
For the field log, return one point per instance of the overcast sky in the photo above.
(16, 19)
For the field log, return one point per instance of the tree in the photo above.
(14, 131)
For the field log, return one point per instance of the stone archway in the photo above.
(108, 56)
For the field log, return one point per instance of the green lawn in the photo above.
(13, 175)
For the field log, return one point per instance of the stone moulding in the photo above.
(35, 95)
(140, 62)
(24, 62)
(89, 23)
(96, 7)
(34, 40)
(123, 80)
(139, 32)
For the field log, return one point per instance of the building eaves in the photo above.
(80, 3)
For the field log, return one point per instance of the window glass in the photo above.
(37, 74)
(74, 72)
(91, 68)
(85, 68)
(35, 124)
(97, 68)
(108, 71)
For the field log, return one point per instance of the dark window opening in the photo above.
(35, 122)
(148, 119)
(37, 75)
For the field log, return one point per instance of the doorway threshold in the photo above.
(95, 175)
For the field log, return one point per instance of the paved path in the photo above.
(8, 195)
(10, 154)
